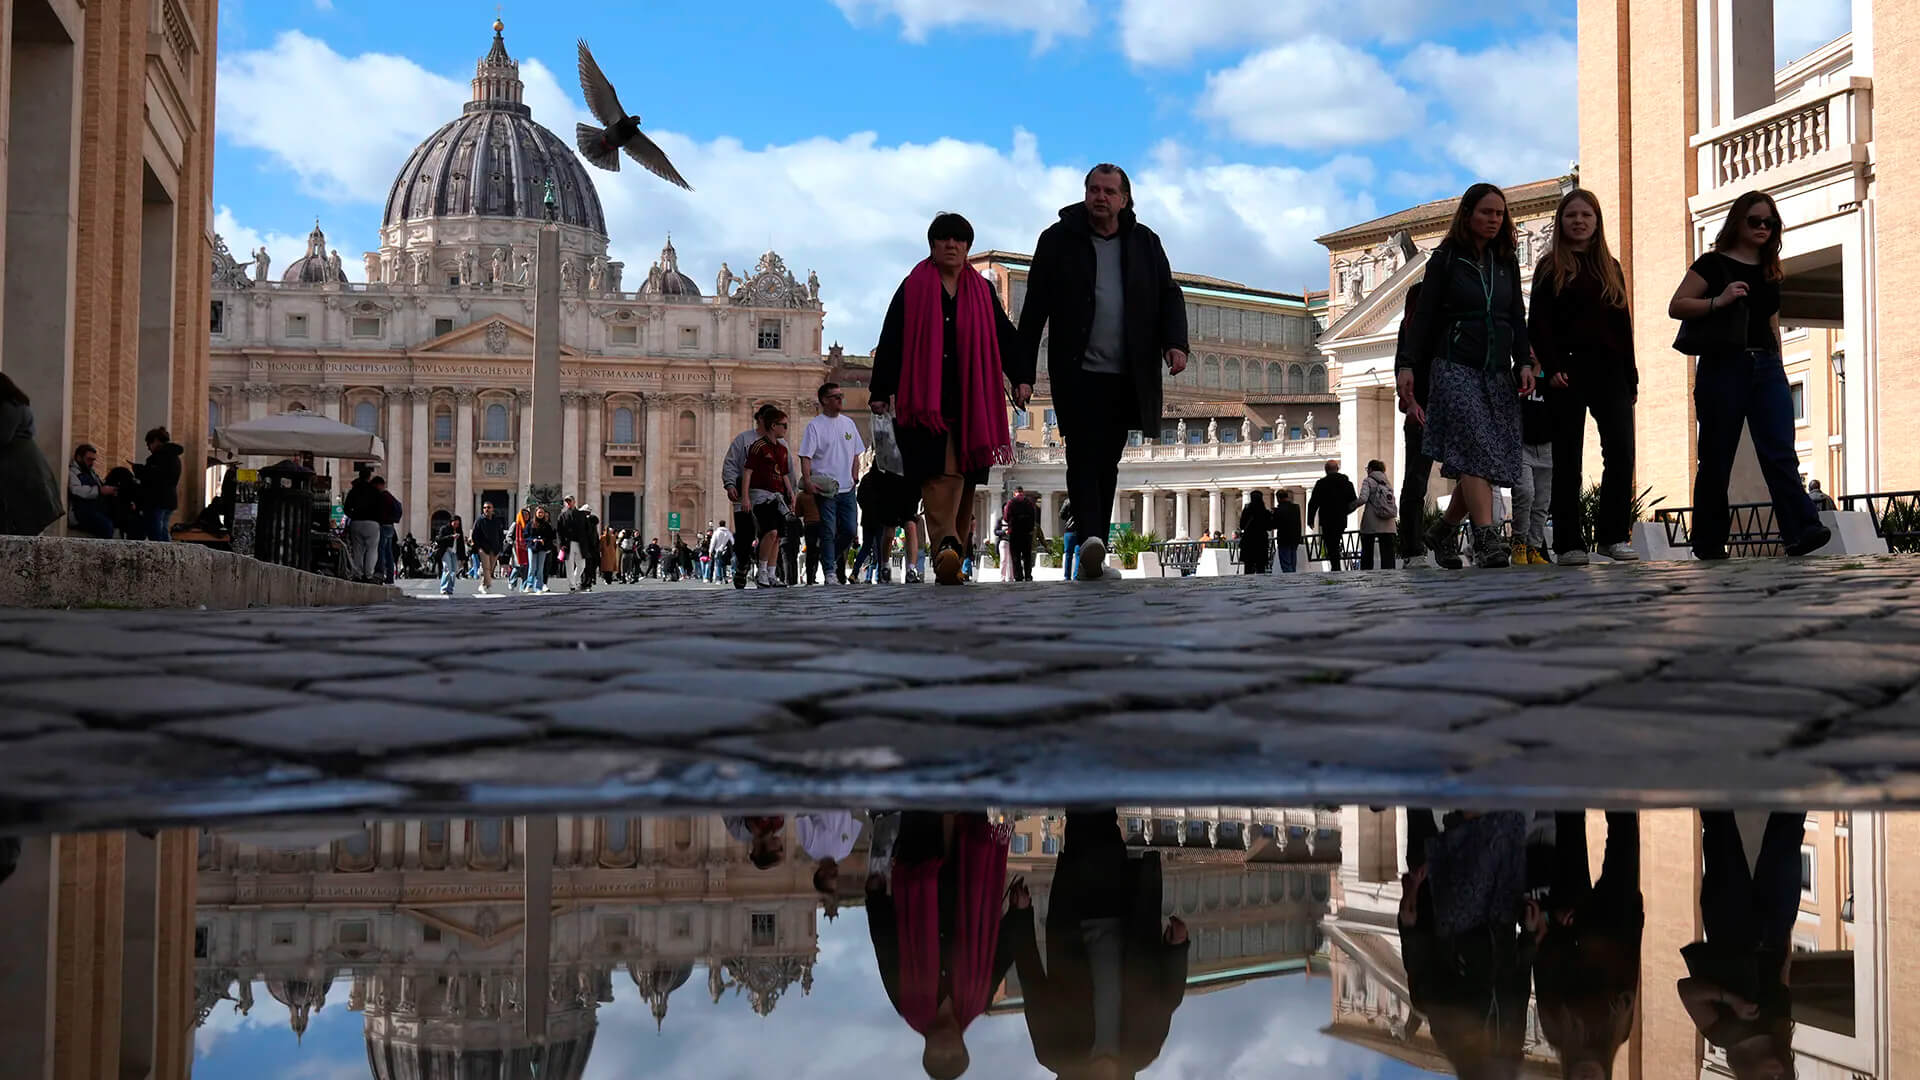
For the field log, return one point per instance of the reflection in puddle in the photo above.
(1176, 942)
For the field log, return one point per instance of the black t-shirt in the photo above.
(1762, 302)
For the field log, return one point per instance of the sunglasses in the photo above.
(1770, 224)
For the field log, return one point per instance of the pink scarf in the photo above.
(982, 440)
(980, 854)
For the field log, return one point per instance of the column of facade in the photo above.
(523, 445)
(1213, 511)
(330, 408)
(463, 449)
(596, 449)
(720, 413)
(419, 514)
(1050, 513)
(1182, 524)
(1149, 513)
(394, 468)
(570, 403)
(653, 517)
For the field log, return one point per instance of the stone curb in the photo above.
(77, 572)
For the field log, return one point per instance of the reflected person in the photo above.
(1736, 985)
(1587, 974)
(1101, 1007)
(939, 936)
(1469, 968)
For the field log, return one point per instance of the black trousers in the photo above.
(746, 534)
(1092, 873)
(1369, 542)
(1096, 427)
(1612, 409)
(1413, 491)
(812, 533)
(1731, 389)
(1615, 897)
(1332, 541)
(1021, 541)
(1750, 909)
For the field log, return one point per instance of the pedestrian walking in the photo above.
(489, 539)
(1587, 975)
(390, 514)
(1288, 533)
(1256, 535)
(733, 478)
(449, 552)
(1022, 516)
(160, 484)
(1069, 539)
(1739, 976)
(1332, 501)
(629, 558)
(1418, 471)
(831, 446)
(541, 539)
(1101, 290)
(1531, 494)
(946, 352)
(1471, 324)
(769, 492)
(29, 491)
(609, 565)
(1580, 329)
(362, 507)
(519, 533)
(807, 507)
(1729, 304)
(720, 551)
(587, 543)
(1379, 517)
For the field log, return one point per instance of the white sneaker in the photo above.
(1092, 560)
(1418, 562)
(1622, 552)
(1575, 557)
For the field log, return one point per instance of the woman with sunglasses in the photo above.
(1734, 293)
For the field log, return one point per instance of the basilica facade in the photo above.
(433, 352)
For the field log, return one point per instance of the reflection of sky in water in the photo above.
(1267, 1029)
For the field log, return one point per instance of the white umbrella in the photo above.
(300, 432)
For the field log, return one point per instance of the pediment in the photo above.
(495, 335)
(1379, 311)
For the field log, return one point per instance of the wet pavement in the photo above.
(1753, 681)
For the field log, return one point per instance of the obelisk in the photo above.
(544, 439)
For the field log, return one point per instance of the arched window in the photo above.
(1276, 380)
(1297, 379)
(1233, 373)
(1256, 376)
(1317, 379)
(442, 424)
(366, 417)
(1210, 373)
(495, 428)
(687, 426)
(623, 425)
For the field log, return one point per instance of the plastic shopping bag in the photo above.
(886, 447)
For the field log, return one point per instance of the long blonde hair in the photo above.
(1565, 264)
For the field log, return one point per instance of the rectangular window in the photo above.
(1022, 843)
(1169, 433)
(1297, 433)
(199, 943)
(364, 326)
(624, 335)
(282, 933)
(623, 471)
(443, 468)
(689, 337)
(1210, 323)
(682, 925)
(1053, 419)
(614, 926)
(217, 321)
(1019, 299)
(1266, 434)
(1022, 418)
(430, 934)
(1808, 889)
(766, 928)
(1799, 392)
(1230, 324)
(442, 327)
(769, 334)
(296, 326)
(351, 933)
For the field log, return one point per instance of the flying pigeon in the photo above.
(602, 146)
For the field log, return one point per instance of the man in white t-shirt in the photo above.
(832, 447)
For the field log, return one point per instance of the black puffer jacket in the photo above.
(160, 477)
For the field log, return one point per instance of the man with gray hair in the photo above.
(1101, 279)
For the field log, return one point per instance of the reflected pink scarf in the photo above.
(980, 855)
(982, 439)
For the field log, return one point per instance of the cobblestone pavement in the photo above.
(1661, 684)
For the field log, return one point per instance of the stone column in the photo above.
(463, 455)
(1736, 58)
(1182, 526)
(657, 415)
(523, 445)
(419, 515)
(394, 467)
(596, 405)
(570, 402)
(1213, 511)
(1050, 513)
(543, 437)
(258, 397)
(1149, 512)
(720, 422)
(330, 408)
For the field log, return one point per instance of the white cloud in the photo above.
(1310, 94)
(1804, 25)
(851, 207)
(1045, 19)
(284, 247)
(323, 5)
(1515, 108)
(1167, 33)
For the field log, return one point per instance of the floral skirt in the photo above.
(1473, 423)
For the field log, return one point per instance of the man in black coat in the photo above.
(1101, 290)
(566, 530)
(1333, 499)
(1287, 533)
(160, 484)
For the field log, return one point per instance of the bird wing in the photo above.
(654, 159)
(599, 92)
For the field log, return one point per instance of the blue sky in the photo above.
(834, 129)
(1267, 1030)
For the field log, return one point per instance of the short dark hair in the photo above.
(765, 859)
(84, 448)
(948, 225)
(159, 434)
(820, 885)
(825, 389)
(381, 481)
(765, 413)
(1126, 185)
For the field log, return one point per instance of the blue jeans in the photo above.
(1287, 556)
(90, 519)
(837, 518)
(449, 569)
(387, 541)
(158, 522)
(1747, 387)
(1069, 553)
(537, 568)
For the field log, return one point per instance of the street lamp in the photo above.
(1839, 360)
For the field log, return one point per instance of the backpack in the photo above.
(1381, 503)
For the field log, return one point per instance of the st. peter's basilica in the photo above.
(434, 352)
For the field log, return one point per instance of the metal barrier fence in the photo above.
(1895, 514)
(1751, 530)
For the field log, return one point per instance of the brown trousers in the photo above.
(948, 502)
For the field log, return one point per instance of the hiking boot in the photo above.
(1443, 540)
(1815, 538)
(1710, 554)
(1489, 547)
(1091, 562)
(1621, 551)
(1519, 554)
(1536, 557)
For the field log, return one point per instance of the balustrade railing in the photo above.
(1223, 451)
(1803, 134)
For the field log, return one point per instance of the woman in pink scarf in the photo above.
(946, 356)
(939, 935)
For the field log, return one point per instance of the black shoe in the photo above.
(1444, 542)
(1815, 538)
(1710, 554)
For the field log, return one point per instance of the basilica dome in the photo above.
(493, 160)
